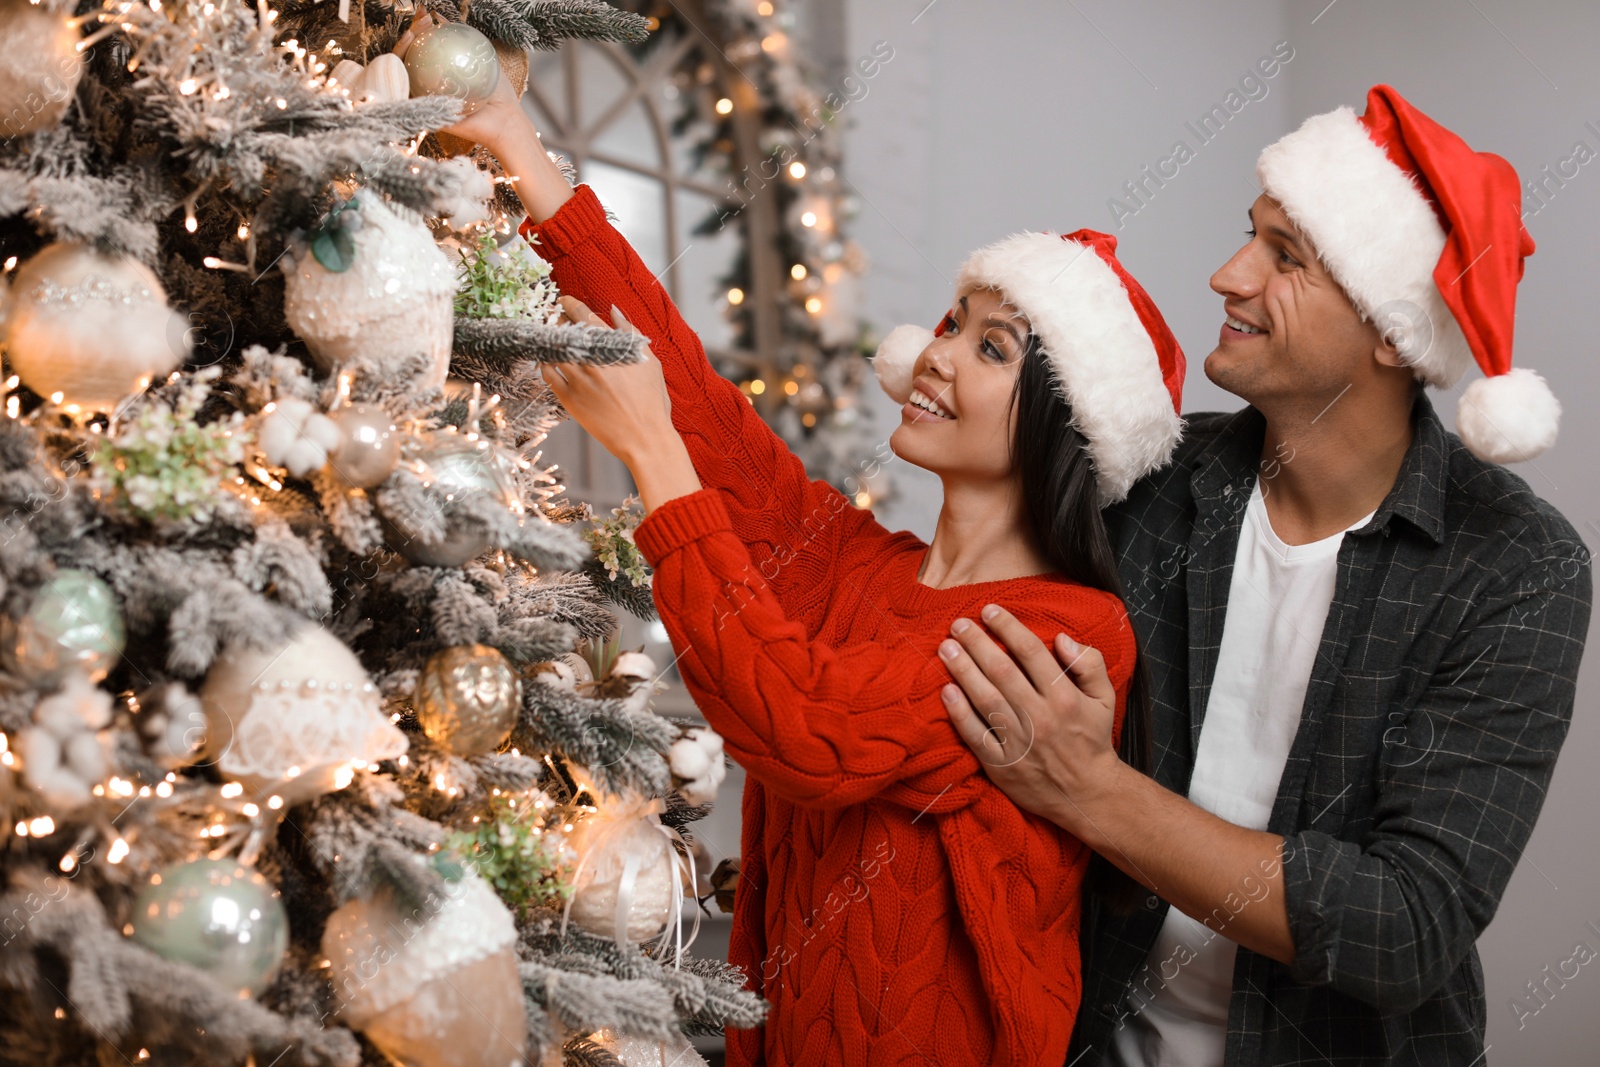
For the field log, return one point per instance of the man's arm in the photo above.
(1385, 919)
(1043, 732)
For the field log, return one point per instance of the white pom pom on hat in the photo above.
(1510, 417)
(896, 360)
(1414, 224)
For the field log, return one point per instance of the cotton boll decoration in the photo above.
(88, 330)
(64, 753)
(296, 436)
(375, 291)
(695, 760)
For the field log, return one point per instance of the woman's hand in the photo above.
(627, 409)
(501, 126)
(496, 120)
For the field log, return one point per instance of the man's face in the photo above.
(1291, 333)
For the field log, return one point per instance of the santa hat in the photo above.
(1111, 355)
(1426, 237)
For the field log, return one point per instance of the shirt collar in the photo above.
(1418, 495)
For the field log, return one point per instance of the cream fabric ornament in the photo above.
(64, 753)
(395, 301)
(442, 993)
(295, 720)
(629, 881)
(39, 66)
(90, 329)
(296, 436)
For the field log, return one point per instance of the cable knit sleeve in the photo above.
(817, 725)
(774, 508)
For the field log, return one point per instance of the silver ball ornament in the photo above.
(217, 915)
(454, 468)
(369, 446)
(453, 59)
(467, 699)
(73, 623)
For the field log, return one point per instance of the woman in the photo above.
(894, 907)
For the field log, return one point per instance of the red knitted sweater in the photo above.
(894, 907)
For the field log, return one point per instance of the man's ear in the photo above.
(1385, 352)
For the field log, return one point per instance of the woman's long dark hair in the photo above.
(1061, 494)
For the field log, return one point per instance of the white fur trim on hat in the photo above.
(1104, 362)
(1508, 418)
(1375, 232)
(896, 361)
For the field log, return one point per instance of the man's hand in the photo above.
(1042, 729)
(1043, 732)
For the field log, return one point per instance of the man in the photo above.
(1363, 637)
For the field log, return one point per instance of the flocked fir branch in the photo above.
(206, 141)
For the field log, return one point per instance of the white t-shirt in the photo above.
(1177, 1012)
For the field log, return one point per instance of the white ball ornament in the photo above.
(88, 329)
(293, 720)
(39, 66)
(392, 300)
(435, 985)
(453, 59)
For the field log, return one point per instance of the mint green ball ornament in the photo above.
(73, 623)
(218, 915)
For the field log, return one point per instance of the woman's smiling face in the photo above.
(961, 417)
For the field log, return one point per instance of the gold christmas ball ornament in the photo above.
(453, 59)
(88, 330)
(434, 985)
(467, 699)
(39, 67)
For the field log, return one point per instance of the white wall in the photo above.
(1010, 114)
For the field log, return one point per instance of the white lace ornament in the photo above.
(294, 720)
(317, 731)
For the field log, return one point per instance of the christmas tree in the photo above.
(316, 746)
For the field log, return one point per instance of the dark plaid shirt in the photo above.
(1442, 691)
